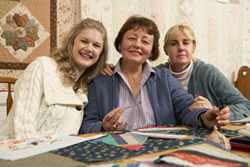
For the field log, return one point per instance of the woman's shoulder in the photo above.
(161, 71)
(45, 60)
(203, 65)
(42, 61)
(42, 66)
(163, 65)
(101, 79)
(163, 75)
(45, 63)
(206, 72)
(204, 68)
(103, 83)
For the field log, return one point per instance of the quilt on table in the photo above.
(96, 152)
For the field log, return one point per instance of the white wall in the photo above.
(222, 27)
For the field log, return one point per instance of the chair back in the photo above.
(243, 81)
(9, 81)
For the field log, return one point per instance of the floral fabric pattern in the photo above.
(21, 32)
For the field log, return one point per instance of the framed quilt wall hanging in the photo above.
(25, 28)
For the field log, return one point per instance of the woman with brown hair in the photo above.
(137, 95)
(204, 81)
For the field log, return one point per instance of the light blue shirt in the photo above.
(138, 111)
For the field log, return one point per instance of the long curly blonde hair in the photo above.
(63, 56)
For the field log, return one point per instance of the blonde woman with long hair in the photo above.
(51, 93)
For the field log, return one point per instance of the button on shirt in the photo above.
(138, 111)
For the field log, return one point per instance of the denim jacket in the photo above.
(169, 101)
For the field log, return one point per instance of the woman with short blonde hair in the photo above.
(204, 81)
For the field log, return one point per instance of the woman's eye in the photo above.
(172, 43)
(84, 41)
(146, 42)
(97, 45)
(186, 42)
(131, 38)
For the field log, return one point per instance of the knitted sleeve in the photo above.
(27, 99)
(222, 93)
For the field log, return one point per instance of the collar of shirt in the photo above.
(147, 70)
(184, 75)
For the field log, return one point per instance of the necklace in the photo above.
(134, 82)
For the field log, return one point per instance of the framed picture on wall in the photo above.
(25, 31)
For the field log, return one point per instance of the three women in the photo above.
(137, 95)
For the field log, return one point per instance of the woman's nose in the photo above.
(138, 43)
(180, 46)
(89, 47)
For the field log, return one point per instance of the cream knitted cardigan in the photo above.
(42, 104)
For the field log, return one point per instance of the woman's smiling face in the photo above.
(136, 45)
(87, 48)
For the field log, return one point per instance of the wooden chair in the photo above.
(243, 81)
(9, 81)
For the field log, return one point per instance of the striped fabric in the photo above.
(138, 110)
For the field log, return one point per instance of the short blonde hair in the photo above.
(179, 27)
(63, 55)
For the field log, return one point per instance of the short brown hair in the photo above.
(150, 27)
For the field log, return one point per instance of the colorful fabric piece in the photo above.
(133, 147)
(132, 139)
(202, 155)
(110, 140)
(106, 148)
(89, 152)
(122, 139)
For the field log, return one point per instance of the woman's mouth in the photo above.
(86, 55)
(135, 52)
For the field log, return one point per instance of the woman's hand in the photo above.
(113, 120)
(200, 102)
(215, 117)
(108, 69)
